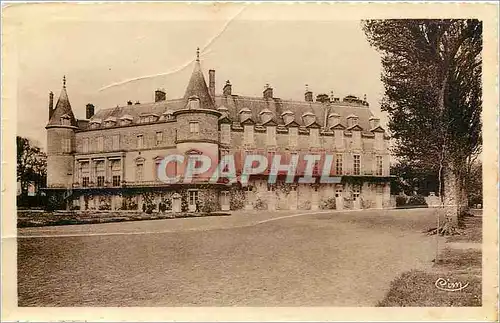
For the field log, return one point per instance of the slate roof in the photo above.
(63, 107)
(198, 87)
(235, 103)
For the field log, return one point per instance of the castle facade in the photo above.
(109, 161)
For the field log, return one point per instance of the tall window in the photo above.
(139, 172)
(66, 145)
(379, 166)
(116, 142)
(93, 144)
(159, 138)
(356, 192)
(339, 138)
(84, 173)
(356, 139)
(357, 164)
(116, 180)
(194, 127)
(248, 134)
(314, 135)
(379, 140)
(271, 136)
(338, 164)
(193, 197)
(115, 165)
(85, 144)
(100, 143)
(140, 142)
(294, 134)
(225, 134)
(100, 172)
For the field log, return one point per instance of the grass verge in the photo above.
(456, 266)
(38, 219)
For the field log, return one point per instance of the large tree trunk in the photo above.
(462, 195)
(451, 197)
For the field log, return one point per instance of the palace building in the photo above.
(109, 160)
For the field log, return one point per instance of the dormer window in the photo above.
(223, 110)
(95, 123)
(168, 115)
(193, 102)
(265, 115)
(149, 118)
(66, 120)
(333, 119)
(374, 122)
(288, 116)
(352, 120)
(308, 118)
(126, 120)
(245, 114)
(110, 122)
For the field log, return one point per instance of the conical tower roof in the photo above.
(63, 107)
(198, 87)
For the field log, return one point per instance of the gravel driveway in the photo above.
(327, 259)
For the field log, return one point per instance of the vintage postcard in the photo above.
(249, 161)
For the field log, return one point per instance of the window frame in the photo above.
(159, 138)
(140, 141)
(356, 170)
(194, 127)
(339, 164)
(379, 166)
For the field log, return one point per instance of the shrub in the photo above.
(184, 202)
(105, 207)
(327, 204)
(167, 204)
(74, 207)
(366, 204)
(209, 206)
(237, 200)
(417, 200)
(400, 200)
(348, 203)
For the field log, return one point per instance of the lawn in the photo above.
(418, 288)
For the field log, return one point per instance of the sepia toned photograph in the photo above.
(249, 157)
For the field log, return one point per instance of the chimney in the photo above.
(227, 89)
(89, 111)
(160, 95)
(268, 92)
(51, 104)
(211, 83)
(129, 102)
(308, 96)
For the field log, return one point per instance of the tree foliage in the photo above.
(31, 164)
(432, 79)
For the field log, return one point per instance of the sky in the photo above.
(114, 53)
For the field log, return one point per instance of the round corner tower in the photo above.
(60, 142)
(198, 122)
